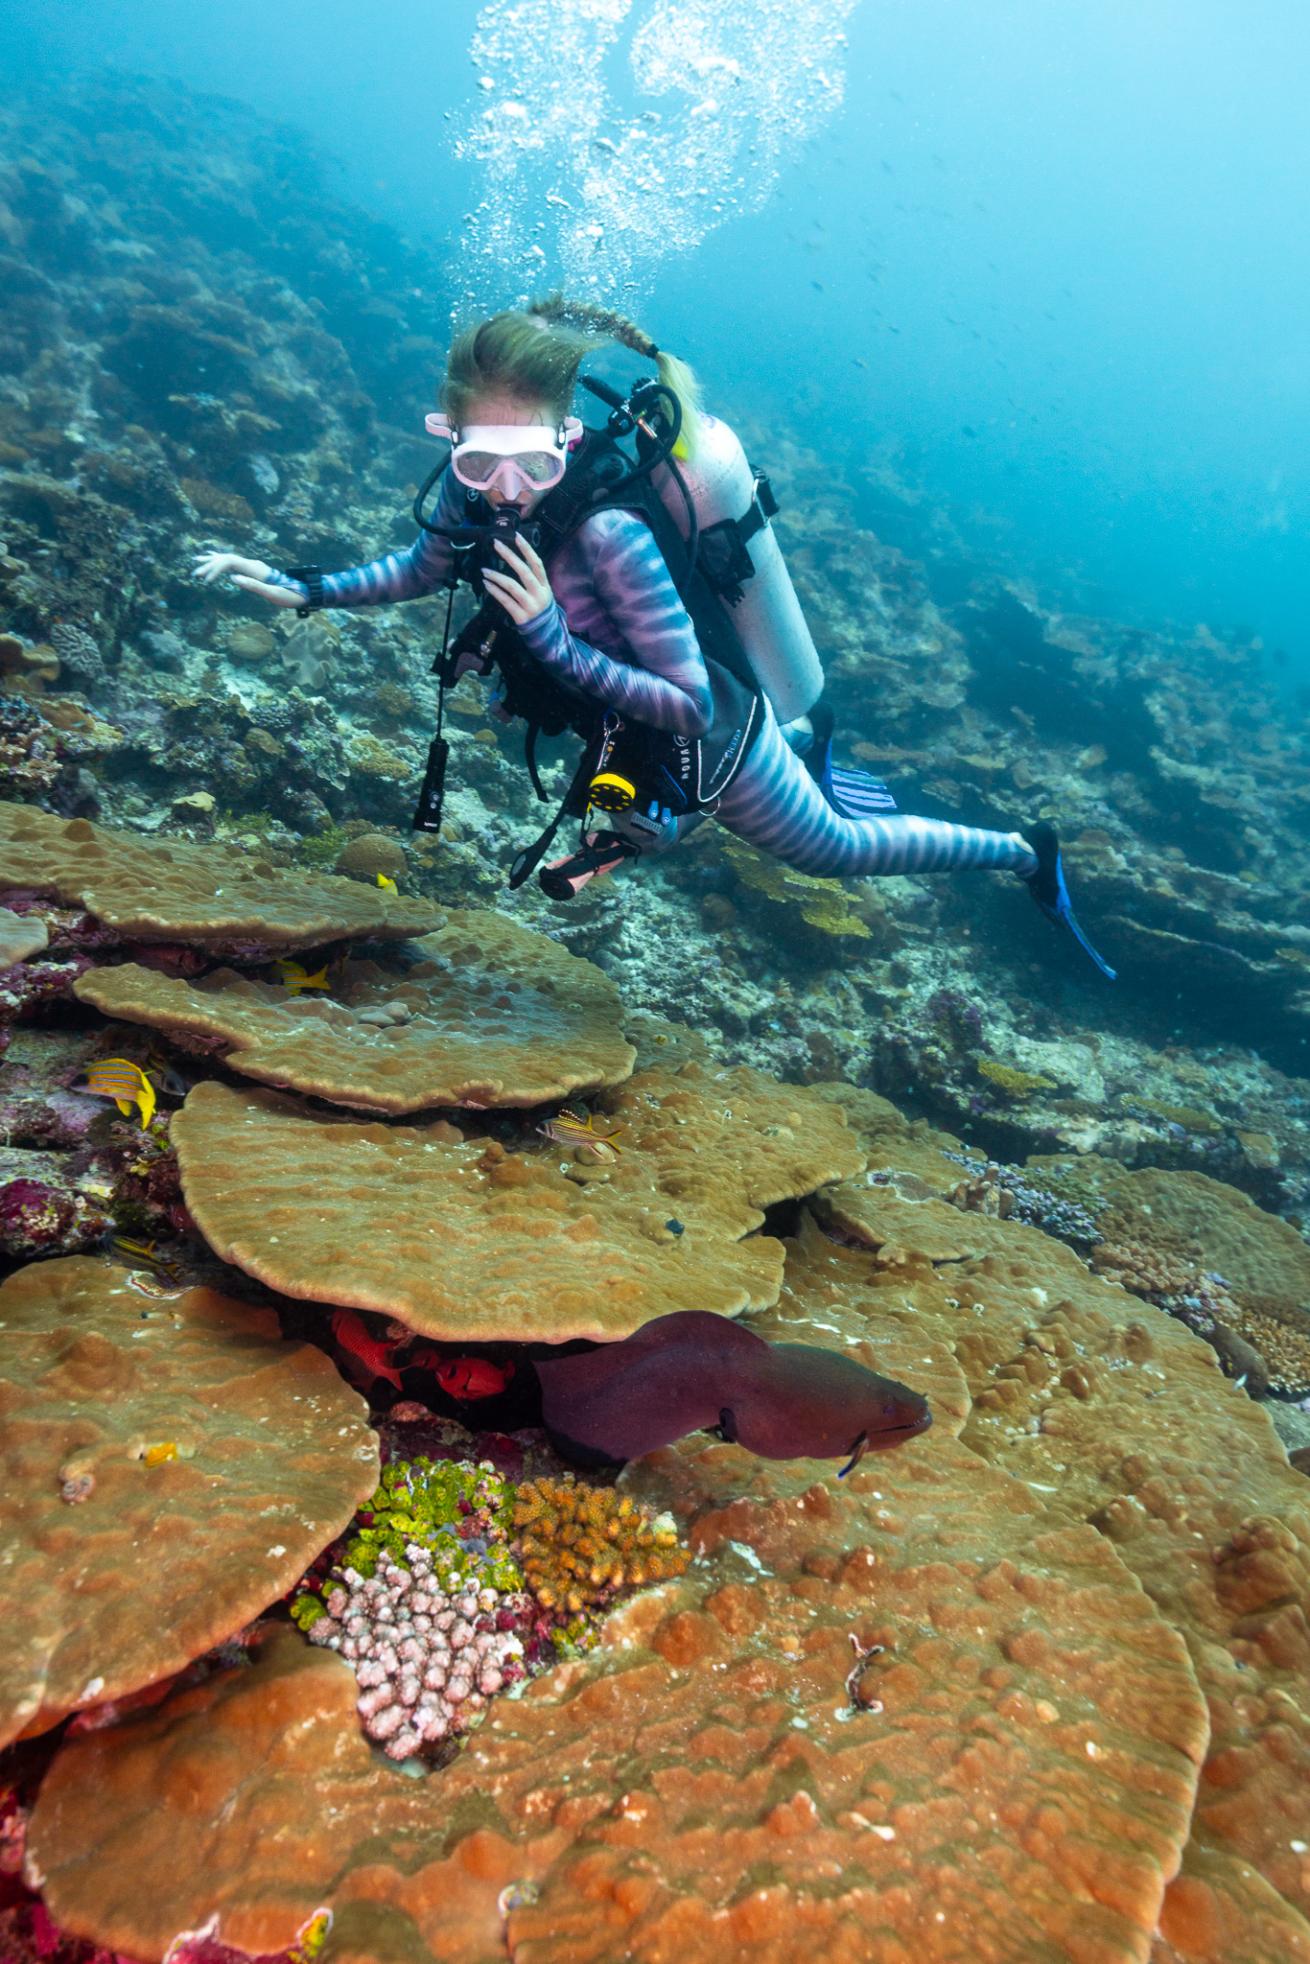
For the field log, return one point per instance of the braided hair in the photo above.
(533, 355)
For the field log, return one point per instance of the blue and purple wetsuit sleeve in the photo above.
(424, 568)
(620, 571)
(615, 574)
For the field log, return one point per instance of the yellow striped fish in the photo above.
(123, 1081)
(296, 978)
(570, 1128)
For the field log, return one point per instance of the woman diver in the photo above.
(594, 631)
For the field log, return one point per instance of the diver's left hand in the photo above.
(524, 591)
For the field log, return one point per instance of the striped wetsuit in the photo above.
(618, 632)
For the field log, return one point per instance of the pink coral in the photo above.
(426, 1659)
(29, 986)
(37, 1219)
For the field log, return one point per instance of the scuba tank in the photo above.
(739, 553)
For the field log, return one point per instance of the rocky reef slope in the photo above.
(1028, 1685)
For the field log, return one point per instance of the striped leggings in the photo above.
(774, 804)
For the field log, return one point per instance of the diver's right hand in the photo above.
(251, 575)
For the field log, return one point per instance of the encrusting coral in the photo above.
(208, 895)
(1010, 1080)
(580, 1544)
(823, 905)
(455, 1585)
(461, 1239)
(169, 1464)
(493, 1015)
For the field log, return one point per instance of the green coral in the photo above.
(424, 1500)
(1010, 1080)
(427, 1501)
(823, 904)
(306, 1610)
(574, 1638)
(1190, 1117)
(324, 848)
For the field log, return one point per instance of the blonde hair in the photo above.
(533, 354)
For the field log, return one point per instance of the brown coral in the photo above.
(129, 1560)
(21, 935)
(731, 1142)
(950, 1707)
(369, 854)
(150, 890)
(577, 1544)
(457, 1239)
(701, 1785)
(494, 1015)
(464, 1240)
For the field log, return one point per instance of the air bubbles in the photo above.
(724, 93)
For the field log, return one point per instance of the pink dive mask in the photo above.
(516, 459)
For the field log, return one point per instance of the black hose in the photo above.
(421, 498)
(693, 522)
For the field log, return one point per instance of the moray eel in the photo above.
(696, 1372)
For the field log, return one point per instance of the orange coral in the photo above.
(577, 1544)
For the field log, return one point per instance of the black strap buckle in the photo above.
(311, 577)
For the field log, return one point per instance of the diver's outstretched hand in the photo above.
(251, 575)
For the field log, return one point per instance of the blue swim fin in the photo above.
(1048, 889)
(852, 794)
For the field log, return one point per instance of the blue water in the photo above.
(1049, 264)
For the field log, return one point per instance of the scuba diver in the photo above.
(631, 588)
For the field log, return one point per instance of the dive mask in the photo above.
(516, 459)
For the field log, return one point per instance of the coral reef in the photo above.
(129, 1559)
(580, 1545)
(1031, 1686)
(147, 891)
(485, 1013)
(427, 1653)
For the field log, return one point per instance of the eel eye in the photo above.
(857, 1454)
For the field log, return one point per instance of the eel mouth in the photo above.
(885, 1437)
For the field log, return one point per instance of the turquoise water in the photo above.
(1067, 245)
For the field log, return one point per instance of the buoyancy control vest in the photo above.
(715, 560)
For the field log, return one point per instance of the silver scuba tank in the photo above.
(761, 602)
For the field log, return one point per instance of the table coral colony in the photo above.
(373, 1674)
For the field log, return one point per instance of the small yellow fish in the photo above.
(388, 886)
(311, 1937)
(148, 1250)
(160, 1454)
(574, 1129)
(123, 1081)
(296, 978)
